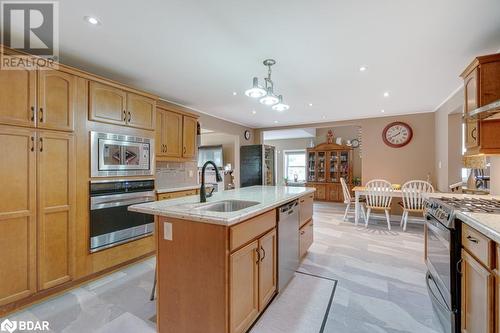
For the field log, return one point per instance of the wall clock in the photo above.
(355, 143)
(247, 135)
(397, 134)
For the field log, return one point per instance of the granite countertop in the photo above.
(186, 208)
(487, 224)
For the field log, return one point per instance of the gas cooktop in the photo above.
(473, 205)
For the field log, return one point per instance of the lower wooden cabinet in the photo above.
(306, 238)
(327, 191)
(252, 280)
(17, 214)
(477, 296)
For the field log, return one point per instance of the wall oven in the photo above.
(120, 155)
(111, 223)
(442, 257)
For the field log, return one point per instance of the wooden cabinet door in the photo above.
(305, 208)
(174, 138)
(305, 238)
(56, 100)
(107, 104)
(332, 193)
(320, 193)
(189, 137)
(18, 97)
(17, 214)
(471, 103)
(477, 296)
(244, 287)
(56, 175)
(141, 111)
(160, 147)
(267, 268)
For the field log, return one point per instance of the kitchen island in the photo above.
(217, 261)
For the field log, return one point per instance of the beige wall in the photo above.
(454, 148)
(230, 148)
(281, 146)
(442, 117)
(414, 161)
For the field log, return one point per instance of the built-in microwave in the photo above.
(120, 155)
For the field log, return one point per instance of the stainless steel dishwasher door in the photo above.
(288, 243)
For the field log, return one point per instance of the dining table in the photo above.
(362, 191)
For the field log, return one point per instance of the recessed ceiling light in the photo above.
(254, 112)
(324, 117)
(92, 20)
(362, 68)
(235, 93)
(386, 94)
(310, 104)
(275, 121)
(382, 110)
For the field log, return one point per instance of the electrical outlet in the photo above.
(167, 231)
(439, 164)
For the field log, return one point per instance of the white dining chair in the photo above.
(349, 200)
(379, 197)
(413, 200)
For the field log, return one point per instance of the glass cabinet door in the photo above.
(311, 164)
(321, 176)
(344, 166)
(333, 167)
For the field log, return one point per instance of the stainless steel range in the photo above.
(443, 252)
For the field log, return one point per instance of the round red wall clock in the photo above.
(397, 134)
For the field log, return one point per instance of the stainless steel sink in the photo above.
(227, 206)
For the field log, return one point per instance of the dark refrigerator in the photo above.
(257, 165)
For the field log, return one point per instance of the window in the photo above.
(295, 165)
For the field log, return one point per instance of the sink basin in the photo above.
(227, 206)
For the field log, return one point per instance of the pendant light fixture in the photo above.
(266, 94)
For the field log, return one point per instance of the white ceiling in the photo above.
(198, 52)
(294, 133)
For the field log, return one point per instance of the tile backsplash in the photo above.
(176, 174)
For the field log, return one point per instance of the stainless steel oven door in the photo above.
(439, 257)
(120, 155)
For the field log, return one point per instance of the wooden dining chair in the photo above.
(413, 200)
(349, 200)
(379, 197)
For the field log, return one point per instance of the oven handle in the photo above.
(124, 199)
(429, 277)
(438, 232)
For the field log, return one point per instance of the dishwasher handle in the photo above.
(289, 207)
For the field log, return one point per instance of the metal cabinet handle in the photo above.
(258, 255)
(124, 116)
(459, 266)
(473, 134)
(41, 114)
(32, 143)
(302, 232)
(32, 113)
(184, 149)
(264, 253)
(129, 116)
(41, 144)
(472, 239)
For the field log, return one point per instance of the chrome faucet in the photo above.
(203, 192)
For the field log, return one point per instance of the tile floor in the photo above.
(380, 288)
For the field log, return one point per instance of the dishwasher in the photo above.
(288, 243)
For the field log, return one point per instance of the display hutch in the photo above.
(326, 164)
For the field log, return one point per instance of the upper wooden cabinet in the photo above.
(481, 87)
(112, 105)
(175, 135)
(18, 97)
(189, 130)
(17, 213)
(48, 102)
(56, 100)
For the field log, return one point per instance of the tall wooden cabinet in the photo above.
(326, 164)
(36, 212)
(189, 128)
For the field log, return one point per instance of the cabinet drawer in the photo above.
(306, 238)
(306, 208)
(172, 195)
(246, 231)
(478, 245)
